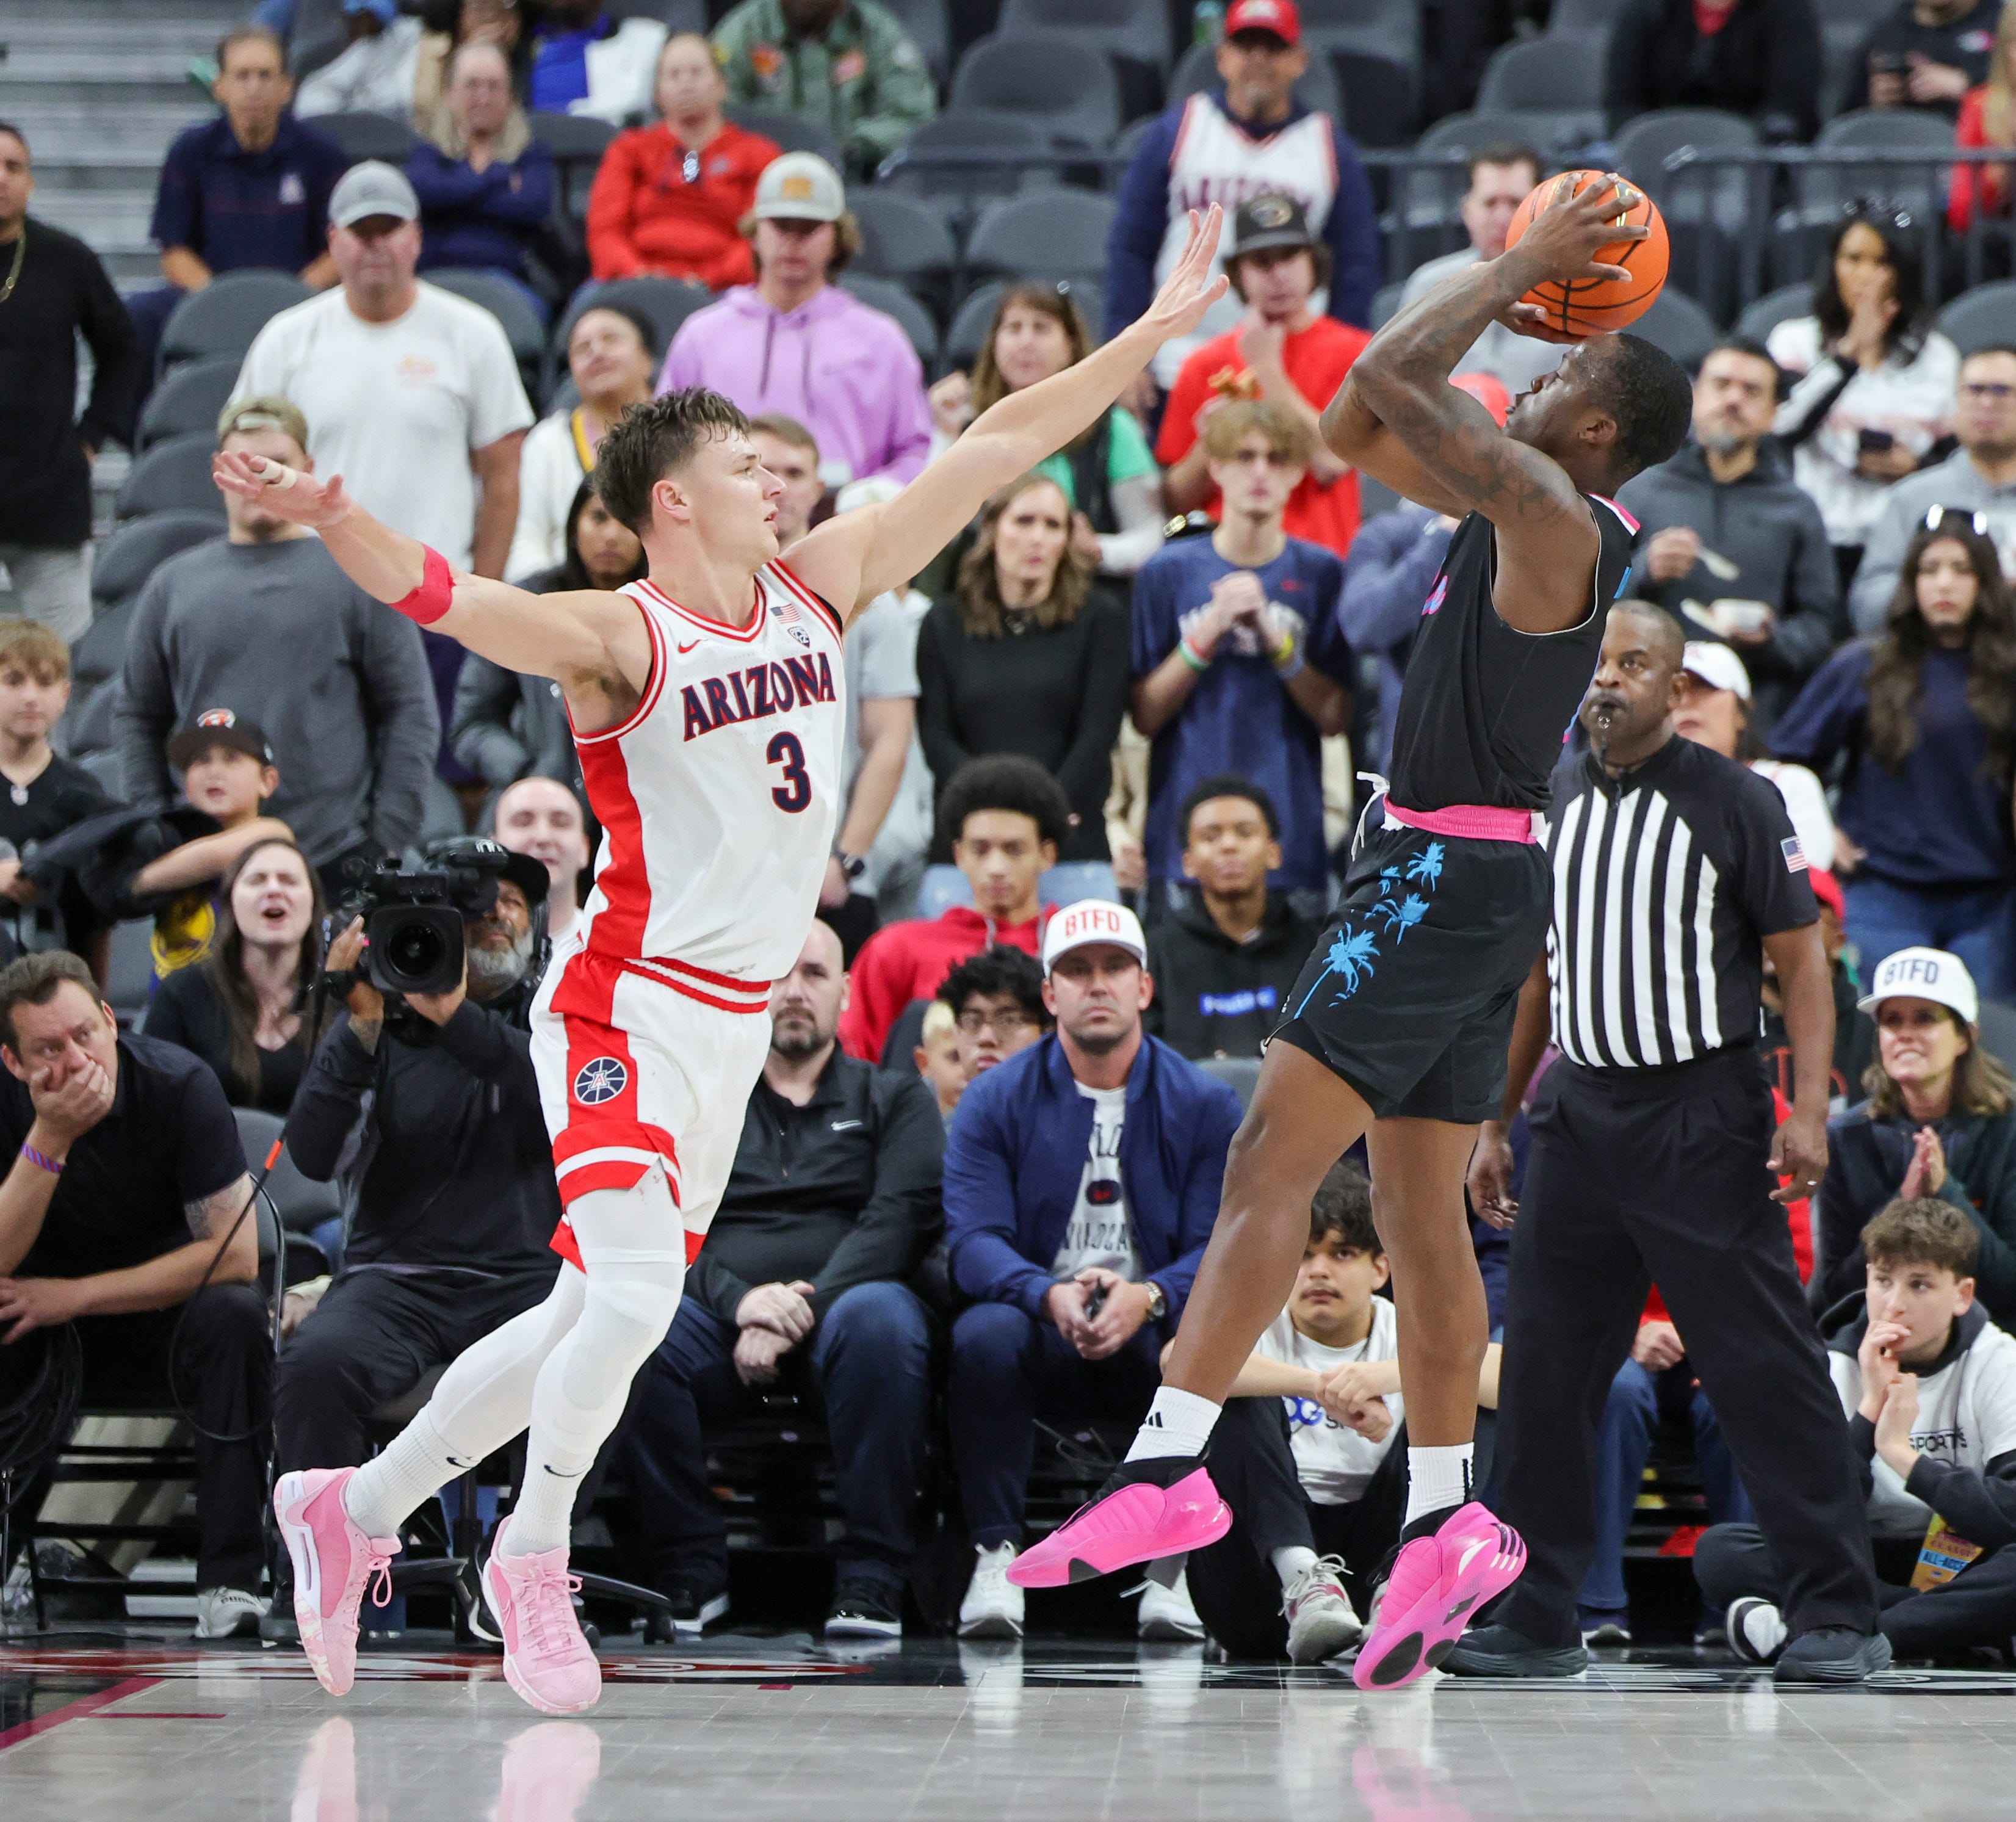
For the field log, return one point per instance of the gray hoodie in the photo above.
(338, 683)
(1767, 526)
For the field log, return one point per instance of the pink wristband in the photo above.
(434, 596)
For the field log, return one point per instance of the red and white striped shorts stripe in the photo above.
(643, 1062)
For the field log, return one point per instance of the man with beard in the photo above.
(1676, 872)
(833, 1201)
(1727, 531)
(453, 1195)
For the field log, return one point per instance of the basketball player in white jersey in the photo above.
(708, 706)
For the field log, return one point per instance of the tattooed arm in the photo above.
(1397, 417)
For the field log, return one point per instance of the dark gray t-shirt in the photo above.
(338, 681)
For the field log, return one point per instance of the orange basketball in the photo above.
(1586, 307)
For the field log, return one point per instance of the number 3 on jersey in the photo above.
(796, 791)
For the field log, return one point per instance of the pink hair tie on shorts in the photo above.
(434, 596)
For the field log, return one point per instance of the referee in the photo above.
(1674, 871)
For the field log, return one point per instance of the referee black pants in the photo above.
(1638, 1176)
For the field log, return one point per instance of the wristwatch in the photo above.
(1158, 1304)
(852, 865)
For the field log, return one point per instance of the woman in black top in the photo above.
(241, 1008)
(1027, 656)
(506, 727)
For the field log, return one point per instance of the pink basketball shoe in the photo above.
(1135, 1522)
(546, 1660)
(334, 1562)
(1437, 1586)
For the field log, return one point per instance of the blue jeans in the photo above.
(1977, 926)
(1629, 1419)
(1007, 1369)
(868, 1363)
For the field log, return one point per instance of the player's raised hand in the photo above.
(287, 491)
(1191, 287)
(1566, 235)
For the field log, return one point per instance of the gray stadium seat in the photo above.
(1374, 497)
(1761, 317)
(133, 552)
(674, 15)
(101, 653)
(1133, 34)
(1583, 15)
(88, 726)
(1074, 99)
(576, 143)
(301, 1203)
(1707, 210)
(969, 328)
(1824, 189)
(129, 969)
(226, 314)
(1197, 70)
(789, 131)
(1052, 234)
(1240, 1074)
(1385, 301)
(1998, 1030)
(892, 299)
(1677, 323)
(902, 239)
(663, 302)
(189, 399)
(363, 135)
(1982, 317)
(1391, 26)
(1555, 83)
(1432, 195)
(1378, 105)
(520, 323)
(174, 474)
(1841, 58)
(973, 135)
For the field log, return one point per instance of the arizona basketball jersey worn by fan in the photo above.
(717, 798)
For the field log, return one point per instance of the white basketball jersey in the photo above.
(717, 798)
(1214, 160)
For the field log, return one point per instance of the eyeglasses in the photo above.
(1007, 1022)
(1994, 389)
(1950, 517)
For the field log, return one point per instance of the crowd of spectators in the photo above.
(1098, 789)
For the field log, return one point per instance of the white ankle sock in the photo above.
(410, 1469)
(1290, 1560)
(1178, 1423)
(1437, 1478)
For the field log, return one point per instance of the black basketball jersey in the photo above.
(1484, 706)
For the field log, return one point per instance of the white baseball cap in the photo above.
(1092, 920)
(1716, 665)
(372, 187)
(1924, 973)
(800, 186)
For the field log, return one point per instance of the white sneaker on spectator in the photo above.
(1756, 1629)
(229, 1613)
(992, 1608)
(1321, 1623)
(1165, 1615)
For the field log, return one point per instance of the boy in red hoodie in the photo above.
(1007, 817)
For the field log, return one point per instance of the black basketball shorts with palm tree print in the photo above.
(1410, 995)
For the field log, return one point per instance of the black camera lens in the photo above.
(415, 951)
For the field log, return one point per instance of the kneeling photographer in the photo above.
(423, 1104)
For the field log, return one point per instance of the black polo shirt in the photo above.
(233, 208)
(169, 1141)
(839, 1192)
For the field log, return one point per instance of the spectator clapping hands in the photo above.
(1926, 1174)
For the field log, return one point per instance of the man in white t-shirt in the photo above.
(1307, 1440)
(412, 393)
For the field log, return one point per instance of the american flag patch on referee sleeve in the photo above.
(1795, 855)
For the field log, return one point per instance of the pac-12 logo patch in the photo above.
(601, 1079)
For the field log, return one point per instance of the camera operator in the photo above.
(425, 1105)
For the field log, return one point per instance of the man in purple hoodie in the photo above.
(791, 343)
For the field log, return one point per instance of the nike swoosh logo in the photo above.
(845, 1125)
(693, 646)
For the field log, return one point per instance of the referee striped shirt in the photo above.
(1665, 881)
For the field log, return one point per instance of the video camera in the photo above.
(413, 917)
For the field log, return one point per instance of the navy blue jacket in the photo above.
(487, 218)
(1016, 1155)
(233, 208)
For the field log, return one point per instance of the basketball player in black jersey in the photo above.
(1397, 1027)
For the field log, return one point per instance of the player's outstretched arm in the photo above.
(545, 636)
(853, 558)
(1397, 417)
